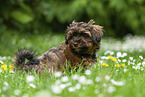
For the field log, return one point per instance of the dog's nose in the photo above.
(75, 44)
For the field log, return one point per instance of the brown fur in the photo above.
(80, 47)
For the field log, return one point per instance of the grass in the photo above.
(114, 75)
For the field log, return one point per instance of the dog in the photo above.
(82, 41)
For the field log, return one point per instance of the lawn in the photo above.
(119, 72)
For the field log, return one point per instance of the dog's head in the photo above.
(84, 38)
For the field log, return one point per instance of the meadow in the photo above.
(118, 72)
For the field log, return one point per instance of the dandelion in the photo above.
(111, 89)
(105, 64)
(123, 65)
(4, 67)
(32, 85)
(88, 72)
(110, 57)
(56, 89)
(17, 92)
(58, 74)
(114, 59)
(117, 65)
(64, 79)
(30, 78)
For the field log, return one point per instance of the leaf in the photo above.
(22, 17)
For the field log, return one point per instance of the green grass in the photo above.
(92, 82)
(96, 81)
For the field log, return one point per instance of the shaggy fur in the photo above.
(81, 44)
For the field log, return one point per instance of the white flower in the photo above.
(1, 62)
(58, 74)
(6, 83)
(117, 83)
(57, 82)
(64, 79)
(107, 52)
(89, 81)
(124, 60)
(143, 63)
(119, 60)
(56, 89)
(82, 80)
(71, 89)
(25, 95)
(88, 72)
(62, 86)
(138, 67)
(98, 79)
(17, 92)
(111, 89)
(118, 54)
(104, 57)
(124, 54)
(141, 57)
(75, 77)
(30, 78)
(139, 64)
(131, 58)
(32, 85)
(78, 86)
(107, 77)
(96, 91)
(5, 88)
(125, 70)
(111, 53)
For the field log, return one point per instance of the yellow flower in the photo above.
(10, 66)
(114, 59)
(117, 65)
(123, 65)
(103, 64)
(106, 65)
(110, 57)
(4, 67)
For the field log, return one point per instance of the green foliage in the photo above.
(118, 17)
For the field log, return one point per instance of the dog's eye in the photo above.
(85, 35)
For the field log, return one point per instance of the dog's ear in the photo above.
(67, 36)
(97, 33)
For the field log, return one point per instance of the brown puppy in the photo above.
(80, 47)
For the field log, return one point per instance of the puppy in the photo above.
(82, 41)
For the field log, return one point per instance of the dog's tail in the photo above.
(25, 57)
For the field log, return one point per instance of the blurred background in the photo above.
(32, 23)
